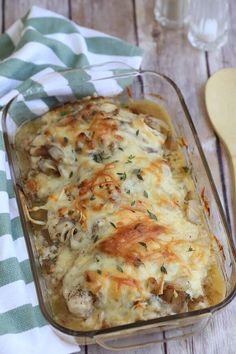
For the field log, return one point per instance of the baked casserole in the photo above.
(118, 226)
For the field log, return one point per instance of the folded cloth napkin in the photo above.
(42, 41)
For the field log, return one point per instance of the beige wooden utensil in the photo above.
(220, 96)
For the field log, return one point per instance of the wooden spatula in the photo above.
(220, 95)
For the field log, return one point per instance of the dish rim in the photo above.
(144, 323)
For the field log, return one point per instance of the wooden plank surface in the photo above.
(113, 17)
(168, 52)
(226, 57)
(18, 8)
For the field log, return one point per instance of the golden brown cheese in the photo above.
(122, 235)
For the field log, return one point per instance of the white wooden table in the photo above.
(168, 52)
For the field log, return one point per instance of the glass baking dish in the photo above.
(110, 79)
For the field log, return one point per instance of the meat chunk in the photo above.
(178, 299)
(80, 303)
(56, 153)
(47, 166)
(157, 124)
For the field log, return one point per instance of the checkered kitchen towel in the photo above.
(41, 43)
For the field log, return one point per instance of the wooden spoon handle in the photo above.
(234, 173)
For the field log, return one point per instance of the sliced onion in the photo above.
(56, 153)
(47, 166)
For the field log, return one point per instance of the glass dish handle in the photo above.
(187, 331)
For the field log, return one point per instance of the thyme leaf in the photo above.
(137, 172)
(151, 215)
(138, 262)
(95, 238)
(100, 157)
(163, 269)
(119, 269)
(145, 193)
(140, 177)
(143, 244)
(112, 224)
(63, 113)
(130, 158)
(122, 175)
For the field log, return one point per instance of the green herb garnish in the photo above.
(112, 224)
(138, 262)
(92, 197)
(122, 175)
(66, 139)
(71, 174)
(137, 172)
(190, 249)
(132, 203)
(95, 238)
(151, 215)
(64, 113)
(99, 157)
(145, 193)
(140, 177)
(137, 132)
(119, 269)
(163, 269)
(99, 271)
(120, 148)
(130, 158)
(128, 191)
(143, 244)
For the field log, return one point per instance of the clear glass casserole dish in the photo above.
(111, 79)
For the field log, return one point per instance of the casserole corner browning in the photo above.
(118, 226)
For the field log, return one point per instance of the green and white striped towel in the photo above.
(41, 43)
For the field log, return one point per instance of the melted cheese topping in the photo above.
(122, 235)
